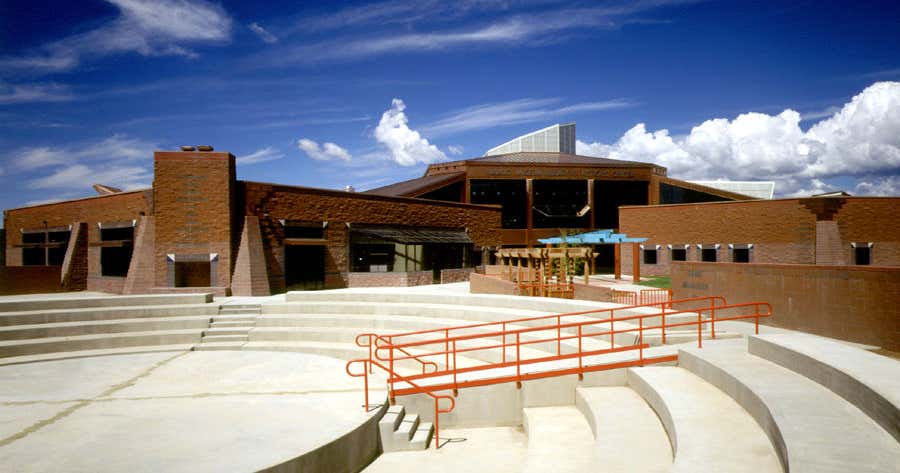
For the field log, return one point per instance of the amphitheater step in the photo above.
(870, 382)
(218, 346)
(561, 437)
(628, 435)
(235, 330)
(811, 427)
(401, 431)
(708, 430)
(223, 338)
(216, 323)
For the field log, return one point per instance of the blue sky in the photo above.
(332, 94)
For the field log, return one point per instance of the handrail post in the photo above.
(371, 366)
(518, 360)
(612, 330)
(504, 343)
(558, 336)
(447, 349)
(391, 374)
(663, 324)
(712, 324)
(437, 427)
(454, 365)
(641, 340)
(366, 382)
(700, 328)
(579, 349)
(757, 318)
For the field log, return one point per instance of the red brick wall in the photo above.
(272, 202)
(414, 278)
(193, 201)
(250, 277)
(75, 265)
(855, 303)
(781, 231)
(481, 284)
(29, 280)
(456, 275)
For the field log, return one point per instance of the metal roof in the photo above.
(418, 186)
(413, 235)
(595, 237)
(557, 158)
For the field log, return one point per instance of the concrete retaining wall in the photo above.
(481, 284)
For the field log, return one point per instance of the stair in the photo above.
(230, 329)
(400, 431)
(560, 440)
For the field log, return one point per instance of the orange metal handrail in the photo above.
(655, 295)
(375, 337)
(623, 297)
(418, 389)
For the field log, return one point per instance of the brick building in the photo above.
(201, 229)
(827, 230)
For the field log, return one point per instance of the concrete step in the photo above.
(215, 331)
(868, 381)
(708, 430)
(238, 311)
(234, 318)
(400, 431)
(218, 346)
(628, 435)
(422, 438)
(104, 313)
(98, 342)
(15, 360)
(224, 338)
(406, 429)
(242, 325)
(811, 427)
(561, 437)
(70, 329)
(62, 303)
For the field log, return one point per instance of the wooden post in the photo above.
(617, 252)
(587, 267)
(636, 262)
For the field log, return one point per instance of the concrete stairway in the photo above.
(230, 329)
(812, 427)
(401, 431)
(559, 439)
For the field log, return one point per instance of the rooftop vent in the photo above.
(187, 148)
(349, 189)
(204, 148)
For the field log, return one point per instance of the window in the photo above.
(650, 256)
(679, 254)
(192, 274)
(862, 254)
(509, 193)
(740, 252)
(44, 247)
(708, 255)
(298, 229)
(117, 248)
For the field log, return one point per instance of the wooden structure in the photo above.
(533, 269)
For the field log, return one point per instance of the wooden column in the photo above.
(636, 261)
(617, 252)
(587, 269)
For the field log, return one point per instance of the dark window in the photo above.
(560, 204)
(34, 256)
(508, 193)
(669, 194)
(450, 193)
(315, 231)
(304, 267)
(609, 195)
(56, 255)
(373, 258)
(679, 254)
(708, 254)
(740, 255)
(33, 237)
(649, 256)
(862, 255)
(115, 260)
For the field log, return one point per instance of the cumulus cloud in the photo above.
(879, 186)
(406, 145)
(326, 152)
(260, 156)
(860, 140)
(455, 150)
(27, 93)
(116, 147)
(146, 27)
(79, 175)
(263, 33)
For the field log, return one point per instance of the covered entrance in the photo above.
(304, 267)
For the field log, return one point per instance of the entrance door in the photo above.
(304, 267)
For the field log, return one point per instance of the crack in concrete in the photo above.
(80, 404)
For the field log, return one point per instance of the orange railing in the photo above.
(441, 346)
(651, 296)
(561, 290)
(623, 297)
(645, 296)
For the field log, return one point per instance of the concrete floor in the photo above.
(183, 411)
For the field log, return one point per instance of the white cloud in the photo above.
(260, 156)
(878, 186)
(527, 110)
(147, 27)
(455, 150)
(79, 176)
(116, 147)
(263, 34)
(407, 146)
(33, 158)
(26, 93)
(860, 139)
(327, 152)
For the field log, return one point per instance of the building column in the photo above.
(636, 262)
(529, 215)
(592, 218)
(617, 252)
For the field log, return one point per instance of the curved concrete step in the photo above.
(870, 382)
(628, 435)
(812, 428)
(71, 329)
(55, 303)
(105, 313)
(559, 440)
(15, 360)
(96, 342)
(708, 430)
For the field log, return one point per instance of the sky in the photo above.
(330, 94)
